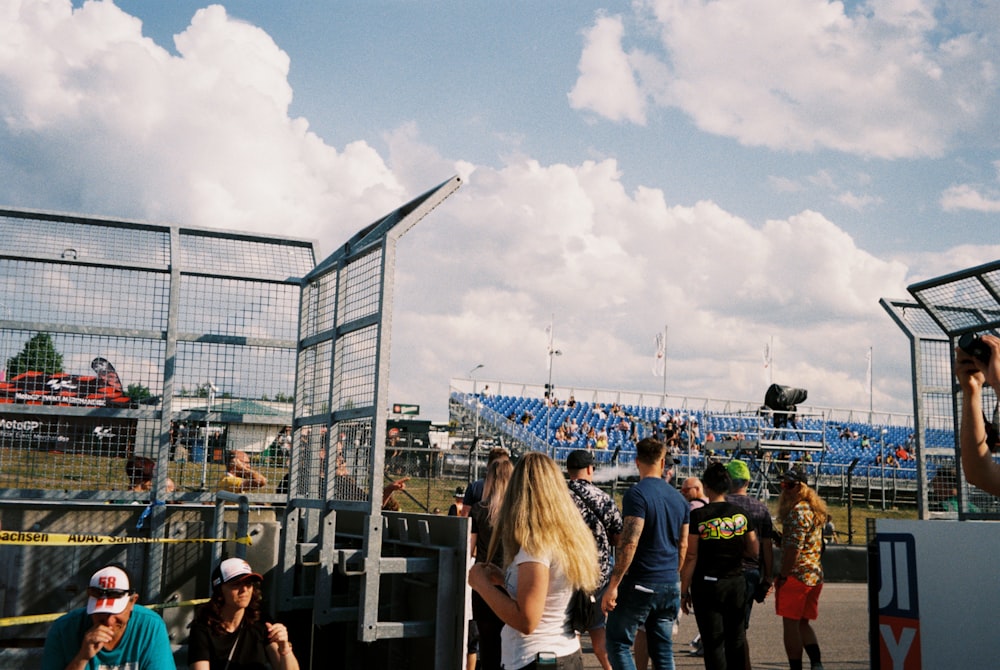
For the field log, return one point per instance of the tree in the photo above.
(39, 355)
(138, 392)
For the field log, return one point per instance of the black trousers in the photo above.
(720, 610)
(489, 625)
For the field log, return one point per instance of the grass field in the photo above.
(437, 493)
(34, 469)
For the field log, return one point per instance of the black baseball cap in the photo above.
(795, 475)
(579, 459)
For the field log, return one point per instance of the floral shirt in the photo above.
(803, 530)
(602, 517)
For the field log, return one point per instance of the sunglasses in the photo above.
(106, 594)
(788, 486)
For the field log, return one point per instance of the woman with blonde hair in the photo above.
(484, 515)
(548, 552)
(800, 578)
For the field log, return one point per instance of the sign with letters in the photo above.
(932, 594)
(898, 602)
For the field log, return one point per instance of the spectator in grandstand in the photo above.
(141, 472)
(548, 552)
(112, 631)
(800, 577)
(721, 536)
(977, 436)
(240, 477)
(484, 515)
(601, 441)
(605, 522)
(229, 631)
(694, 492)
(757, 569)
(644, 585)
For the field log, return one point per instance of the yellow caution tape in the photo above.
(45, 618)
(77, 539)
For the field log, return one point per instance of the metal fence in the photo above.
(123, 340)
(135, 359)
(943, 309)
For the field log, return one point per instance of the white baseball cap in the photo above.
(233, 568)
(110, 590)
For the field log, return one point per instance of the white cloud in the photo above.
(858, 202)
(607, 84)
(103, 120)
(967, 197)
(98, 119)
(807, 74)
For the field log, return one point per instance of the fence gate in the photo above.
(333, 560)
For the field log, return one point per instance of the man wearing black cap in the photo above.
(605, 521)
(111, 633)
(654, 538)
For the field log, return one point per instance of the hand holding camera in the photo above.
(977, 361)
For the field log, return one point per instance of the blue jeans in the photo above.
(654, 605)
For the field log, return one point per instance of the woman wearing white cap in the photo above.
(227, 632)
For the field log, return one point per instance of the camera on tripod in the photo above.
(972, 344)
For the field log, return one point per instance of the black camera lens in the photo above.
(973, 345)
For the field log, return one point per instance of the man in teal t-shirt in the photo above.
(111, 632)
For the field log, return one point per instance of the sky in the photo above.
(740, 173)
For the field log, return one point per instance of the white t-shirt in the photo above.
(553, 633)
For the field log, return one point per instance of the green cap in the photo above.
(738, 469)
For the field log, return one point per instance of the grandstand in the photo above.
(826, 442)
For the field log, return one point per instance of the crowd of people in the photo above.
(706, 549)
(539, 537)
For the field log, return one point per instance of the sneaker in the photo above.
(816, 666)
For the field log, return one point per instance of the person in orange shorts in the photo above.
(800, 579)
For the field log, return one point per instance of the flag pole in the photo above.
(665, 331)
(871, 394)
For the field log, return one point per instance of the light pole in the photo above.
(472, 376)
(549, 400)
(475, 432)
(882, 451)
(475, 398)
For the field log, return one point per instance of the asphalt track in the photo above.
(842, 630)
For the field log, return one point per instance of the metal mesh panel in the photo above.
(313, 391)
(65, 369)
(92, 242)
(361, 289)
(352, 452)
(354, 385)
(964, 301)
(319, 302)
(83, 295)
(234, 255)
(238, 308)
(238, 371)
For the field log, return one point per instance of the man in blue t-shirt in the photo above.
(111, 633)
(645, 582)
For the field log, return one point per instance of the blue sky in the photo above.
(740, 170)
